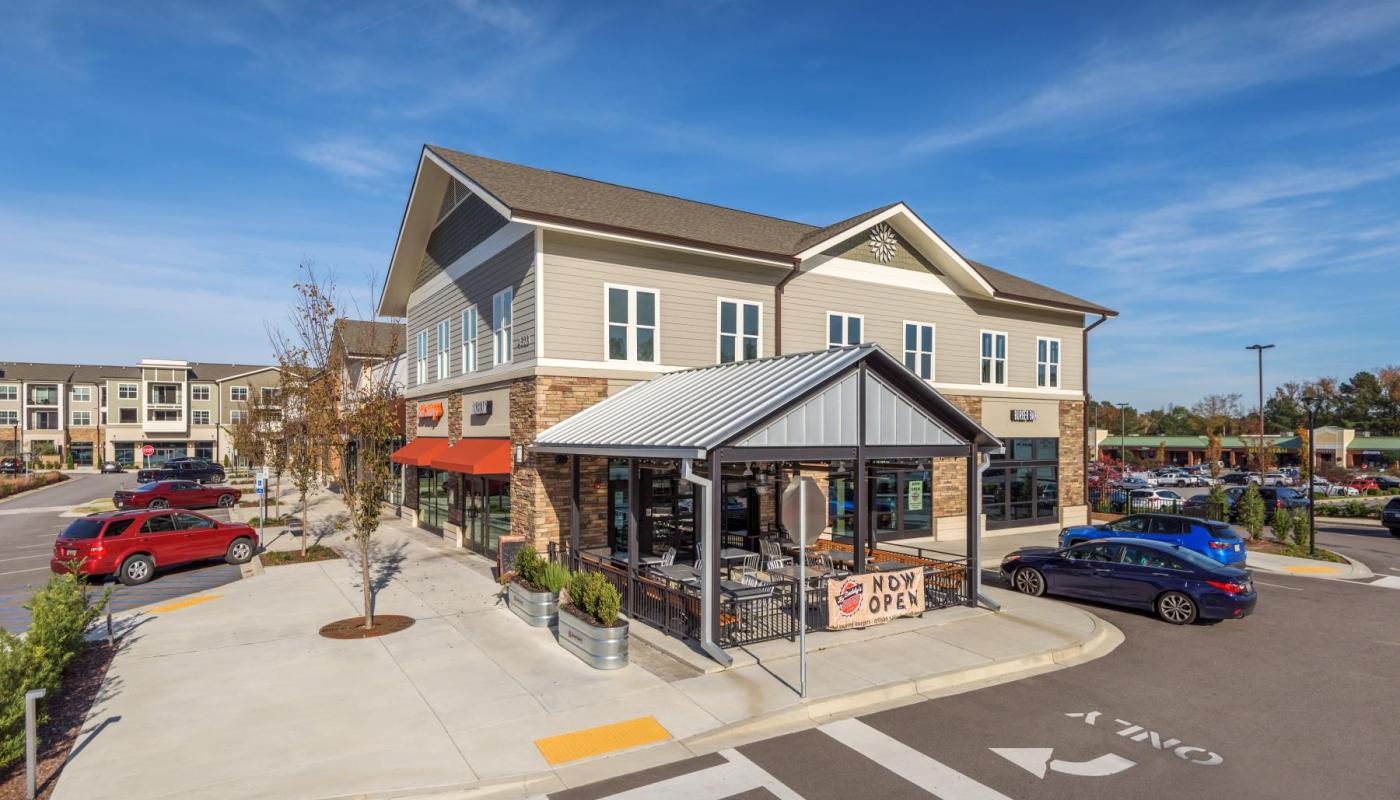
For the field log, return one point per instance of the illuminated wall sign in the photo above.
(1023, 415)
(430, 410)
(480, 407)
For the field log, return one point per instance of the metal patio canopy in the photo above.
(855, 403)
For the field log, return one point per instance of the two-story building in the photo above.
(531, 295)
(95, 412)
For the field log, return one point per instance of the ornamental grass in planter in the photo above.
(588, 622)
(533, 592)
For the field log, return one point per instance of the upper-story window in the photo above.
(9, 417)
(238, 394)
(444, 348)
(127, 391)
(1047, 363)
(200, 417)
(269, 394)
(82, 419)
(166, 394)
(235, 416)
(843, 329)
(739, 330)
(469, 340)
(994, 358)
(632, 324)
(421, 346)
(918, 349)
(9, 392)
(199, 391)
(126, 416)
(502, 325)
(82, 394)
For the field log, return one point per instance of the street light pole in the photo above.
(1123, 435)
(1311, 401)
(1260, 348)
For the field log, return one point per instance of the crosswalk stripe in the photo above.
(923, 771)
(1389, 582)
(736, 776)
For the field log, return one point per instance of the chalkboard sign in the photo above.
(506, 548)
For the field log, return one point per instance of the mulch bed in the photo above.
(1273, 547)
(354, 628)
(67, 710)
(316, 552)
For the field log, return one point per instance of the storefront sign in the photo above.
(916, 496)
(430, 410)
(1023, 415)
(874, 598)
(481, 407)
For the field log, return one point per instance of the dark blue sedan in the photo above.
(1178, 584)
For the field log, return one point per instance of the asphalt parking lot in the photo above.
(30, 523)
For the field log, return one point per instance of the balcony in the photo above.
(42, 396)
(164, 420)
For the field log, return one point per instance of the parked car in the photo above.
(188, 469)
(1175, 477)
(111, 466)
(1178, 584)
(132, 545)
(1145, 478)
(176, 494)
(1364, 484)
(1274, 497)
(10, 465)
(1386, 482)
(1199, 506)
(1236, 479)
(1215, 540)
(1333, 489)
(1135, 482)
(1154, 500)
(1390, 516)
(1277, 479)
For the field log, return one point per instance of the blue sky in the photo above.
(1220, 173)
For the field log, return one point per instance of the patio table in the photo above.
(886, 566)
(791, 572)
(680, 573)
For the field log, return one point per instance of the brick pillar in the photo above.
(410, 420)
(950, 474)
(539, 487)
(1072, 491)
(454, 417)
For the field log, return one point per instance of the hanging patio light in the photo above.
(763, 483)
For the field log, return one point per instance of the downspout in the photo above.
(1085, 383)
(778, 306)
(707, 485)
(984, 460)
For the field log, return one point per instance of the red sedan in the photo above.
(133, 544)
(1364, 484)
(176, 494)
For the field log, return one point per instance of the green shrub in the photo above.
(554, 577)
(1250, 510)
(528, 566)
(1283, 525)
(1217, 505)
(60, 612)
(595, 596)
(1350, 508)
(1302, 528)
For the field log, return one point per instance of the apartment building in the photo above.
(99, 412)
(532, 295)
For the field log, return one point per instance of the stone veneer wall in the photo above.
(950, 474)
(1072, 480)
(539, 488)
(454, 417)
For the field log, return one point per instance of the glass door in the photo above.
(901, 503)
(432, 499)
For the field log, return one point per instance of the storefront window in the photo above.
(1022, 487)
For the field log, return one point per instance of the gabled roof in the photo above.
(687, 413)
(366, 338)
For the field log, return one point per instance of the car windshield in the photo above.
(148, 487)
(1393, 505)
(86, 528)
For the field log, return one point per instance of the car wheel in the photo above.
(136, 570)
(240, 551)
(1176, 608)
(159, 503)
(1028, 580)
(225, 501)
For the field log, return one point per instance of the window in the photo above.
(1148, 557)
(199, 391)
(269, 394)
(161, 523)
(739, 330)
(235, 416)
(444, 343)
(631, 326)
(126, 416)
(82, 419)
(185, 521)
(238, 394)
(204, 450)
(82, 394)
(9, 392)
(1094, 552)
(502, 327)
(199, 417)
(918, 349)
(43, 420)
(9, 417)
(1047, 362)
(422, 356)
(843, 329)
(164, 414)
(469, 340)
(994, 358)
(166, 394)
(127, 391)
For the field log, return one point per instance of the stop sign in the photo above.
(148, 450)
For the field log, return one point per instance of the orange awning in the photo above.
(475, 457)
(419, 451)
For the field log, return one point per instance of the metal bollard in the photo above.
(111, 640)
(31, 736)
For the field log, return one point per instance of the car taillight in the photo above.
(1220, 545)
(1227, 588)
(96, 550)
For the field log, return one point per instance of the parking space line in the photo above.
(18, 571)
(25, 558)
(1278, 586)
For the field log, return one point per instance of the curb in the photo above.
(1104, 639)
(1352, 570)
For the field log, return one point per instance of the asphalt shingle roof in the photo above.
(367, 338)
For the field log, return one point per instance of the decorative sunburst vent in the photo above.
(882, 243)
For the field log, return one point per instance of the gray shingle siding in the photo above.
(471, 224)
(515, 267)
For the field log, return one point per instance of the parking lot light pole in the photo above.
(1260, 348)
(1311, 401)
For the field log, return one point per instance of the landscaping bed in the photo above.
(12, 486)
(316, 552)
(1295, 550)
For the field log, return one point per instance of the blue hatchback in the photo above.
(1179, 585)
(1215, 540)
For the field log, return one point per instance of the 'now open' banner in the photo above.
(874, 598)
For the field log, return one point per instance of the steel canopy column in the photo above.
(974, 525)
(631, 533)
(861, 480)
(573, 513)
(709, 577)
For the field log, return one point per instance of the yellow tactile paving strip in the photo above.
(186, 603)
(1313, 570)
(602, 739)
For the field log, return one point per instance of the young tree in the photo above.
(1214, 450)
(1250, 511)
(1217, 504)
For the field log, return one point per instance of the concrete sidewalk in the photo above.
(236, 695)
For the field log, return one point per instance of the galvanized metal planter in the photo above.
(538, 609)
(598, 647)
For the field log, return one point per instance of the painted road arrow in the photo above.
(1036, 760)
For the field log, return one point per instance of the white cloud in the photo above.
(353, 158)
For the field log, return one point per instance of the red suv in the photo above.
(131, 544)
(176, 494)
